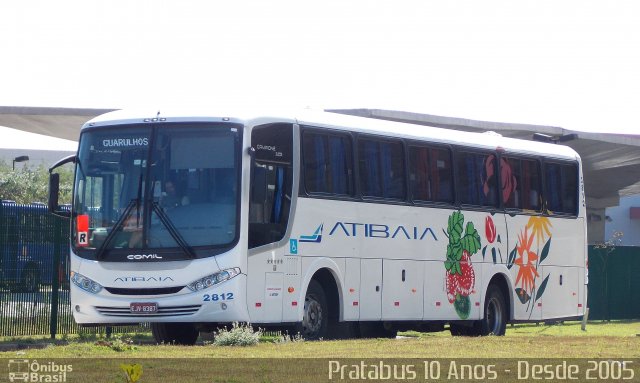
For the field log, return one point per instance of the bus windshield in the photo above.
(167, 192)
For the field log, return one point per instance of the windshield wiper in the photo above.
(116, 227)
(173, 231)
(120, 222)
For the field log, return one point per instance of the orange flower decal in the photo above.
(526, 262)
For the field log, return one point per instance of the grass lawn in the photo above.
(601, 340)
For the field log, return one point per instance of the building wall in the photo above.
(619, 219)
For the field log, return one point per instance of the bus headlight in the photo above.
(85, 283)
(213, 279)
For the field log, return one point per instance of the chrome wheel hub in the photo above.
(312, 320)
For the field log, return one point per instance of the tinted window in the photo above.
(476, 178)
(327, 163)
(561, 188)
(381, 166)
(271, 184)
(520, 179)
(430, 174)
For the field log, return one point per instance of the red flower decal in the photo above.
(490, 229)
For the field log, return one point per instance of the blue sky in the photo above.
(574, 64)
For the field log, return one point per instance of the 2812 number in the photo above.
(217, 297)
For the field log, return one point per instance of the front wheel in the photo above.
(175, 333)
(495, 313)
(316, 315)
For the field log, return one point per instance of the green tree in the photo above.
(28, 184)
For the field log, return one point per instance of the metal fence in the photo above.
(614, 283)
(34, 273)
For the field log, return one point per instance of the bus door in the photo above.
(269, 275)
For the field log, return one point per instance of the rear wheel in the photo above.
(316, 315)
(495, 314)
(175, 333)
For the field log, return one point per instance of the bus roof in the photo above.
(486, 140)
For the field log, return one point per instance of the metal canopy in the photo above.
(611, 162)
(56, 122)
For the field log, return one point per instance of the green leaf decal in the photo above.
(512, 258)
(493, 254)
(448, 265)
(456, 220)
(522, 295)
(471, 240)
(545, 250)
(484, 250)
(542, 287)
(456, 251)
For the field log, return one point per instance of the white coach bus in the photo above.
(331, 225)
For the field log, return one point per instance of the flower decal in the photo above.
(493, 238)
(539, 226)
(464, 241)
(526, 261)
(490, 229)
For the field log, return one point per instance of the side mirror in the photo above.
(54, 193)
(54, 188)
(259, 185)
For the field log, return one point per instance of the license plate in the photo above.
(143, 307)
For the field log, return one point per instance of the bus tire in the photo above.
(175, 333)
(495, 317)
(315, 319)
(30, 279)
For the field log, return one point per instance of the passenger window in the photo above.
(327, 162)
(531, 185)
(476, 176)
(510, 177)
(381, 165)
(271, 182)
(561, 188)
(520, 183)
(419, 174)
(430, 174)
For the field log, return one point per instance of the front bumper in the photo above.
(211, 305)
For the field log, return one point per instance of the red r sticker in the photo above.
(82, 222)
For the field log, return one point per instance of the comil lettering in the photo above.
(119, 142)
(143, 256)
